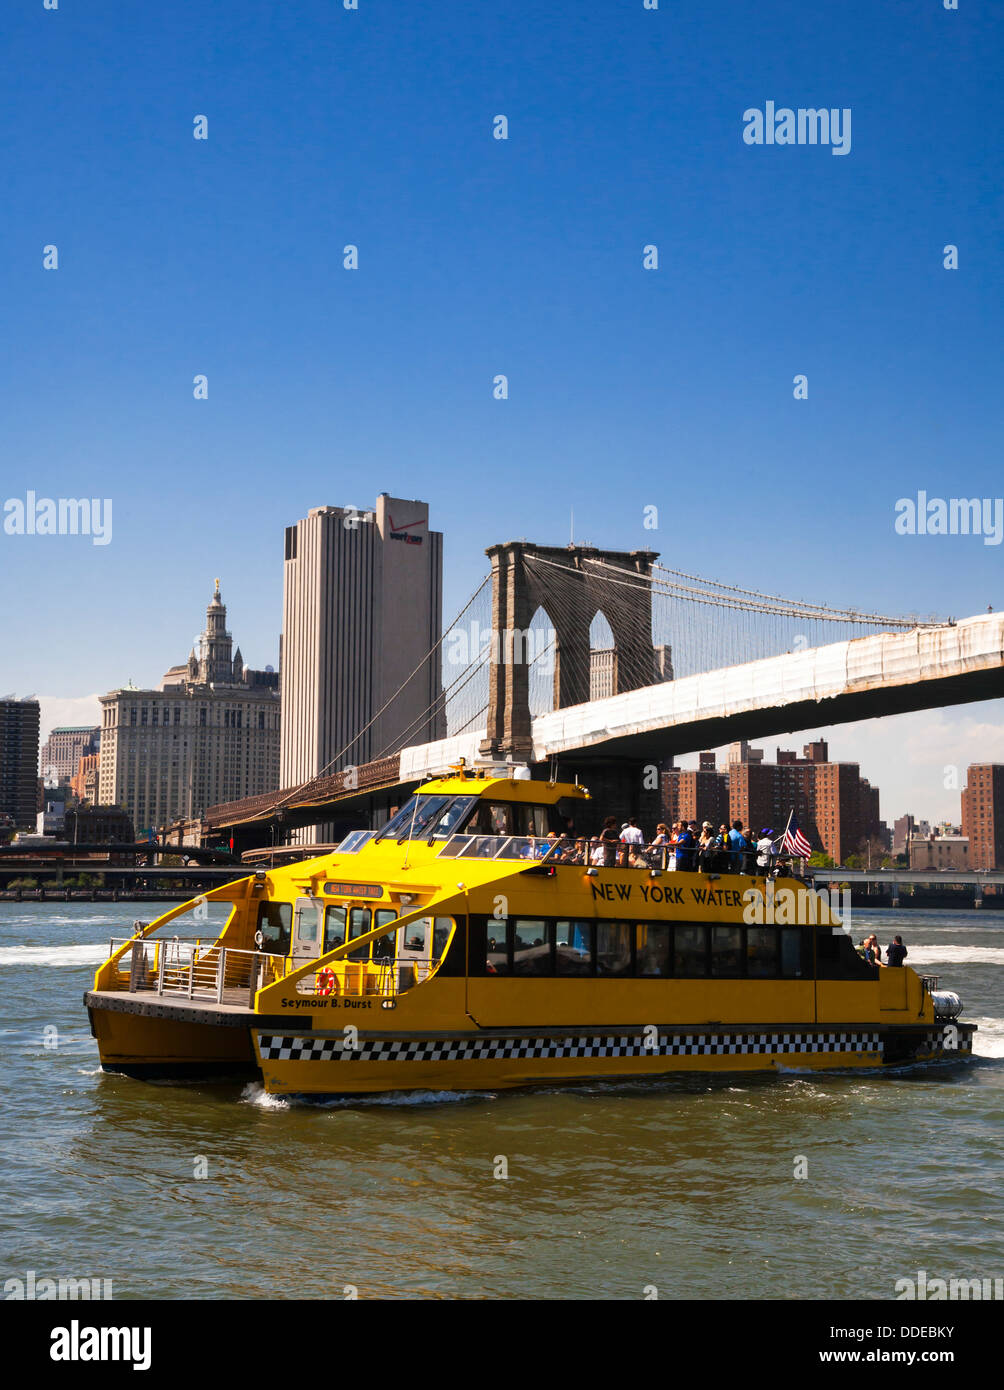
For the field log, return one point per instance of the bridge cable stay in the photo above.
(331, 764)
(698, 627)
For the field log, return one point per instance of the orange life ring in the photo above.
(325, 981)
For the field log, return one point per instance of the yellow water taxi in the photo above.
(472, 943)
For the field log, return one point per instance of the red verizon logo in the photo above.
(400, 533)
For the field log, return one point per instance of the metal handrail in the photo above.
(356, 979)
(191, 970)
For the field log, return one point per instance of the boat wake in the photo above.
(955, 955)
(255, 1094)
(54, 955)
(989, 1038)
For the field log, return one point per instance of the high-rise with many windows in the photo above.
(983, 815)
(19, 723)
(362, 610)
(63, 749)
(210, 733)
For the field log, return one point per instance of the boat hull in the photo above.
(311, 1064)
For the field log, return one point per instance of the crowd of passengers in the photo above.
(684, 845)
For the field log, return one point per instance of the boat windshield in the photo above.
(428, 818)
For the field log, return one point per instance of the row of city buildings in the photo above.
(358, 674)
(833, 805)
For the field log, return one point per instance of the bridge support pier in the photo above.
(571, 590)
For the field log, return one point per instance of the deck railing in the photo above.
(592, 852)
(193, 969)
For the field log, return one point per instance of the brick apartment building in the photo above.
(983, 815)
(835, 807)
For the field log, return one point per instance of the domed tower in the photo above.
(217, 644)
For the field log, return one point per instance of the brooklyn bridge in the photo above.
(602, 664)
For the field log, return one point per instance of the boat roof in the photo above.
(520, 789)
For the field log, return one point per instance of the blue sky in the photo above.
(476, 256)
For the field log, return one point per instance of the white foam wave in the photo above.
(955, 955)
(255, 1094)
(92, 954)
(989, 1038)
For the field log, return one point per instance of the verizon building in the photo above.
(362, 607)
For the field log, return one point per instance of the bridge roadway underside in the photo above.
(873, 702)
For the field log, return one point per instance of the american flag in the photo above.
(795, 842)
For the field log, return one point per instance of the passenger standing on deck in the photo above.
(674, 835)
(632, 837)
(685, 848)
(659, 849)
(895, 953)
(765, 850)
(737, 847)
(610, 839)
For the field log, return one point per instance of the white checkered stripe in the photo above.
(304, 1048)
(935, 1042)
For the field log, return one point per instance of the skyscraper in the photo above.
(19, 721)
(362, 609)
(63, 749)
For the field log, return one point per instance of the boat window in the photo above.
(334, 927)
(531, 820)
(519, 847)
(485, 846)
(791, 952)
(306, 920)
(690, 953)
(726, 952)
(613, 948)
(359, 922)
(494, 818)
(497, 954)
(384, 946)
(354, 841)
(654, 952)
(275, 922)
(574, 948)
(761, 951)
(416, 937)
(531, 946)
(452, 817)
(414, 819)
(646, 950)
(441, 929)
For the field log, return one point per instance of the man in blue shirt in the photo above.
(737, 846)
(685, 848)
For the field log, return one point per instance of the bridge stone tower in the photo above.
(572, 586)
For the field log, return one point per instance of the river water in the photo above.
(686, 1187)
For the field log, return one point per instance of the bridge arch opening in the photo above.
(602, 658)
(541, 656)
